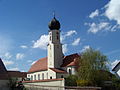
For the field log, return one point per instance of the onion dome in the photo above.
(54, 24)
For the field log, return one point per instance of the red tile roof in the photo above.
(17, 74)
(70, 60)
(58, 70)
(39, 65)
(4, 77)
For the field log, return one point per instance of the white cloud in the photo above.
(20, 56)
(85, 48)
(113, 10)
(29, 61)
(71, 32)
(67, 34)
(94, 14)
(7, 55)
(115, 27)
(114, 63)
(8, 62)
(41, 42)
(23, 46)
(14, 69)
(76, 42)
(64, 48)
(102, 26)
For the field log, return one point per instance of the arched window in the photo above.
(70, 71)
(50, 77)
(38, 76)
(62, 76)
(43, 76)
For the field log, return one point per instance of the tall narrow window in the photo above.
(57, 35)
(61, 76)
(34, 77)
(50, 77)
(50, 47)
(31, 77)
(38, 76)
(43, 76)
(50, 38)
(70, 71)
(47, 75)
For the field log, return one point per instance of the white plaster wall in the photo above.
(36, 73)
(72, 68)
(53, 35)
(52, 74)
(47, 74)
(47, 85)
(50, 55)
(117, 71)
(55, 53)
(60, 74)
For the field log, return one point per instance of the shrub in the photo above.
(71, 80)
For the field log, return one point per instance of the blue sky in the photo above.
(84, 24)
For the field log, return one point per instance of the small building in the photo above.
(116, 69)
(20, 76)
(5, 76)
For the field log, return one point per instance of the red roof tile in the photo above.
(39, 65)
(58, 70)
(4, 77)
(70, 60)
(17, 74)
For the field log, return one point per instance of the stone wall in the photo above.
(52, 84)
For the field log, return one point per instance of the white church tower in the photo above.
(55, 54)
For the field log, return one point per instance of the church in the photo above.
(55, 65)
